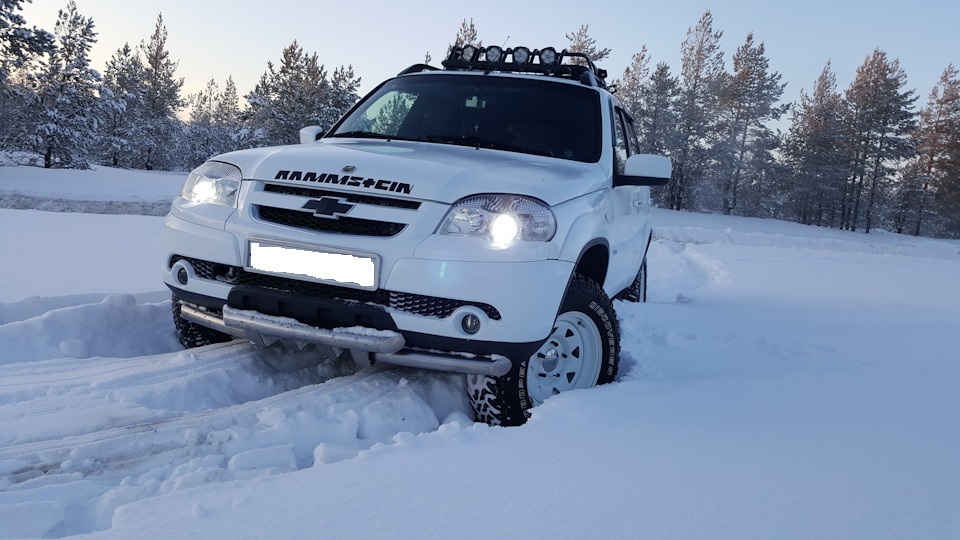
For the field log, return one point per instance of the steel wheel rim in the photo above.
(568, 360)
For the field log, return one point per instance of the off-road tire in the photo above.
(637, 291)
(191, 334)
(507, 400)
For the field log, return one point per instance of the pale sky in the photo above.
(216, 38)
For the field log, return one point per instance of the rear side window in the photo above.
(620, 148)
(632, 139)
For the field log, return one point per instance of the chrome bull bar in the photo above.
(383, 345)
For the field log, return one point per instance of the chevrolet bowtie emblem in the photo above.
(328, 207)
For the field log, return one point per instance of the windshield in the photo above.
(518, 115)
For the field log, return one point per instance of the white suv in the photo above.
(475, 219)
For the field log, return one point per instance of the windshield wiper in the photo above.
(480, 142)
(462, 140)
(362, 135)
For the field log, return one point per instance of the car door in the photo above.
(641, 202)
(627, 203)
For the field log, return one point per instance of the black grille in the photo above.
(341, 225)
(203, 269)
(351, 197)
(431, 306)
(418, 304)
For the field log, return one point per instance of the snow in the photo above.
(783, 381)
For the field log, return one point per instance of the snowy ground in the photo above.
(783, 382)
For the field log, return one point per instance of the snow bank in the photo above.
(117, 327)
(15, 201)
(50, 254)
(104, 184)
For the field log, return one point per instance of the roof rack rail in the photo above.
(522, 60)
(417, 68)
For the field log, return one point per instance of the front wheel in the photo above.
(582, 351)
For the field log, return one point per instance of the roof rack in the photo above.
(417, 68)
(522, 60)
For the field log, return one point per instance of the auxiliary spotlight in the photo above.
(521, 55)
(548, 56)
(469, 53)
(494, 54)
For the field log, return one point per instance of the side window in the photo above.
(620, 151)
(632, 135)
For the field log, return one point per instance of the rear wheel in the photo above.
(192, 334)
(582, 351)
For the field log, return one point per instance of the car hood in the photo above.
(423, 171)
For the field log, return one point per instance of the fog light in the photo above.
(182, 276)
(471, 324)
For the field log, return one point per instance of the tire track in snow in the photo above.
(83, 468)
(34, 397)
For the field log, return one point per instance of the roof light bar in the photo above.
(545, 61)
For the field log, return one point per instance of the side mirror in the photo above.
(310, 134)
(645, 170)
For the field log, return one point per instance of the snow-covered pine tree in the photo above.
(815, 155)
(214, 126)
(581, 42)
(19, 47)
(938, 142)
(201, 135)
(657, 122)
(748, 103)
(342, 95)
(651, 99)
(701, 82)
(908, 194)
(767, 176)
(64, 118)
(880, 118)
(162, 101)
(630, 86)
(123, 127)
(228, 115)
(298, 93)
(286, 98)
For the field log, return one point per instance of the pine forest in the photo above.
(875, 155)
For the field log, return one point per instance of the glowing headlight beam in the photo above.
(504, 230)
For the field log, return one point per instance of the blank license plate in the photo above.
(345, 268)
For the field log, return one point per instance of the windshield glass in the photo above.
(519, 115)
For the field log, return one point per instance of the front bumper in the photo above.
(384, 347)
(419, 304)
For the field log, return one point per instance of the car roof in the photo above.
(429, 71)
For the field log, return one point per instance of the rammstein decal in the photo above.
(345, 180)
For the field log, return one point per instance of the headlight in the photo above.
(501, 219)
(212, 183)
